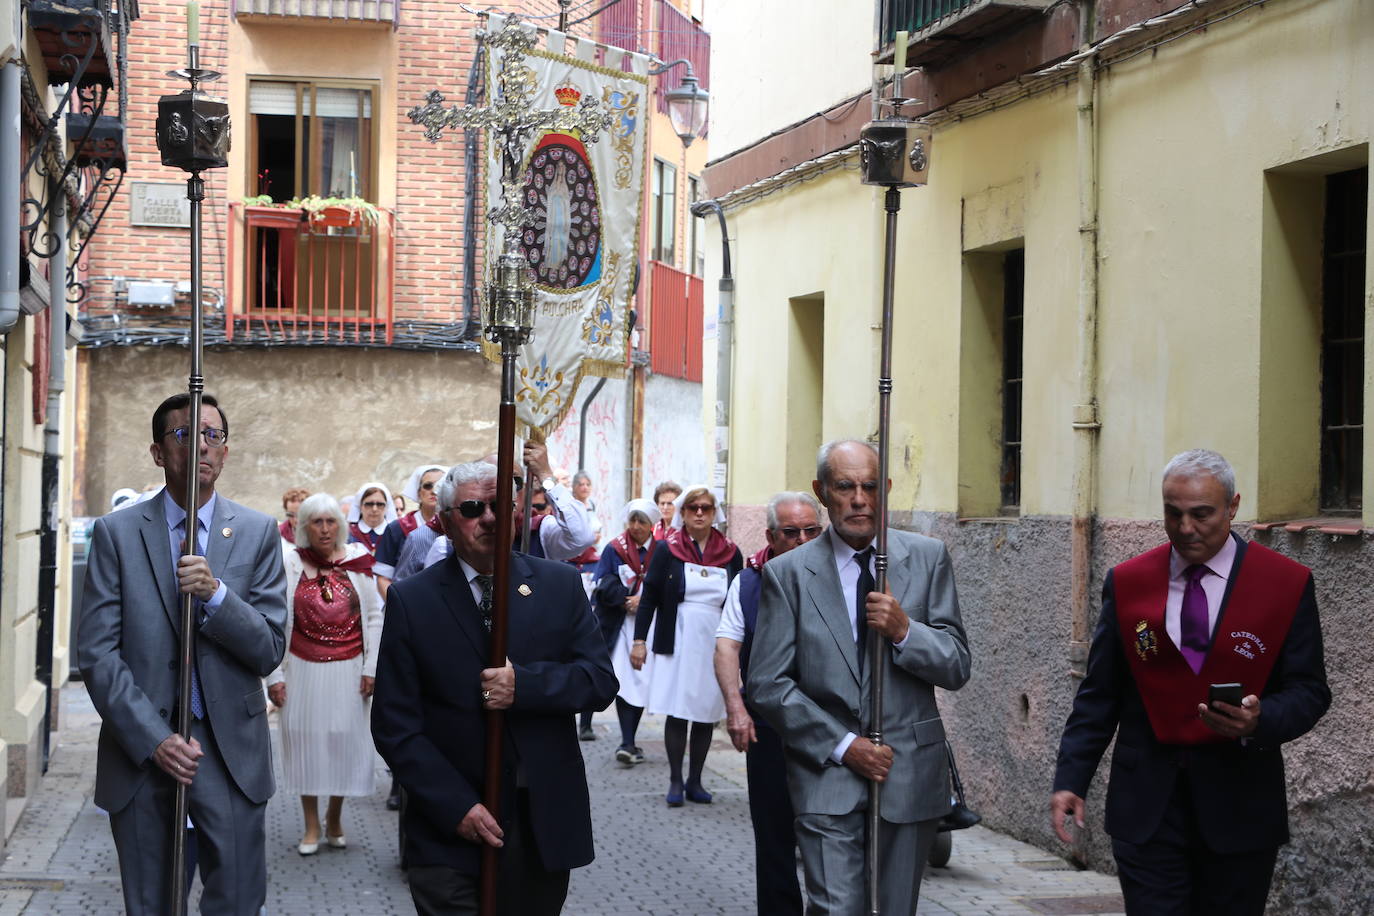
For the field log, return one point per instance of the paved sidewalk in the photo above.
(651, 859)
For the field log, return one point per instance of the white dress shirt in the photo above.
(847, 566)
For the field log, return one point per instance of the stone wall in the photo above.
(319, 417)
(1014, 592)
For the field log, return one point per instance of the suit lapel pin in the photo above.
(227, 531)
(524, 590)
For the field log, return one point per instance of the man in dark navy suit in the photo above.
(432, 688)
(1196, 803)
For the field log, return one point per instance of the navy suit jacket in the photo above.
(428, 721)
(1236, 788)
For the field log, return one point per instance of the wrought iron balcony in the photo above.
(385, 12)
(310, 277)
(74, 36)
(941, 31)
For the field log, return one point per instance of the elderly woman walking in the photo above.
(615, 598)
(333, 627)
(685, 590)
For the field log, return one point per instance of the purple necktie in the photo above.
(1194, 626)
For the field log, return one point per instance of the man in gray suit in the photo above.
(128, 648)
(809, 679)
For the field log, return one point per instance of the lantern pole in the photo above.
(893, 155)
(193, 135)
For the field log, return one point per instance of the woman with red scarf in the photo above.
(333, 627)
(685, 588)
(371, 512)
(615, 598)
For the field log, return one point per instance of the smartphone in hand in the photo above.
(1226, 693)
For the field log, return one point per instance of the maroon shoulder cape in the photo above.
(1248, 638)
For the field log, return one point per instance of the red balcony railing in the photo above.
(675, 322)
(325, 277)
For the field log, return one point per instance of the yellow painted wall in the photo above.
(1187, 135)
(259, 49)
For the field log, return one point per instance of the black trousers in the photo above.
(523, 886)
(775, 839)
(1176, 874)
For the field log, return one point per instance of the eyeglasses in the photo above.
(791, 534)
(699, 508)
(213, 437)
(473, 508)
(427, 486)
(374, 505)
(539, 507)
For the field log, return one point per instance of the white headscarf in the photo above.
(412, 487)
(716, 522)
(122, 497)
(355, 512)
(645, 507)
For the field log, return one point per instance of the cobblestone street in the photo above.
(651, 859)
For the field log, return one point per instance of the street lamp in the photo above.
(687, 104)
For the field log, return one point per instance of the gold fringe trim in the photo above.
(585, 65)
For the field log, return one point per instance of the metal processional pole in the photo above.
(893, 155)
(193, 135)
(508, 321)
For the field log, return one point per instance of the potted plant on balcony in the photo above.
(321, 212)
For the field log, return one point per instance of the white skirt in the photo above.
(634, 685)
(325, 739)
(684, 683)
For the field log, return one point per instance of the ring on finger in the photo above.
(486, 695)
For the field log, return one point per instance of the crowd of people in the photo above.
(371, 629)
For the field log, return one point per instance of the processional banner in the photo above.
(583, 244)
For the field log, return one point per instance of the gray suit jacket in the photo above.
(805, 680)
(128, 642)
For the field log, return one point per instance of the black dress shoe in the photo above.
(960, 817)
(585, 733)
(393, 802)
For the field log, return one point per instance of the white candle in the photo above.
(192, 22)
(899, 53)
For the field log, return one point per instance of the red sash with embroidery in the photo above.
(628, 551)
(719, 551)
(409, 522)
(757, 560)
(1249, 636)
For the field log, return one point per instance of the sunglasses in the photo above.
(793, 533)
(427, 486)
(539, 507)
(374, 505)
(699, 507)
(473, 508)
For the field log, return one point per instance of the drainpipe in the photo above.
(9, 195)
(52, 451)
(725, 345)
(1086, 421)
(582, 425)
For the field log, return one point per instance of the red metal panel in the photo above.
(618, 26)
(675, 323)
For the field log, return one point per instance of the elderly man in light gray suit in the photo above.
(127, 649)
(809, 679)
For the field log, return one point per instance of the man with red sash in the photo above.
(1196, 804)
(793, 519)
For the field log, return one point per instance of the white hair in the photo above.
(460, 474)
(1197, 462)
(312, 507)
(788, 498)
(823, 458)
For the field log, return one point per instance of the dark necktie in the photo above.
(1195, 631)
(866, 585)
(484, 583)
